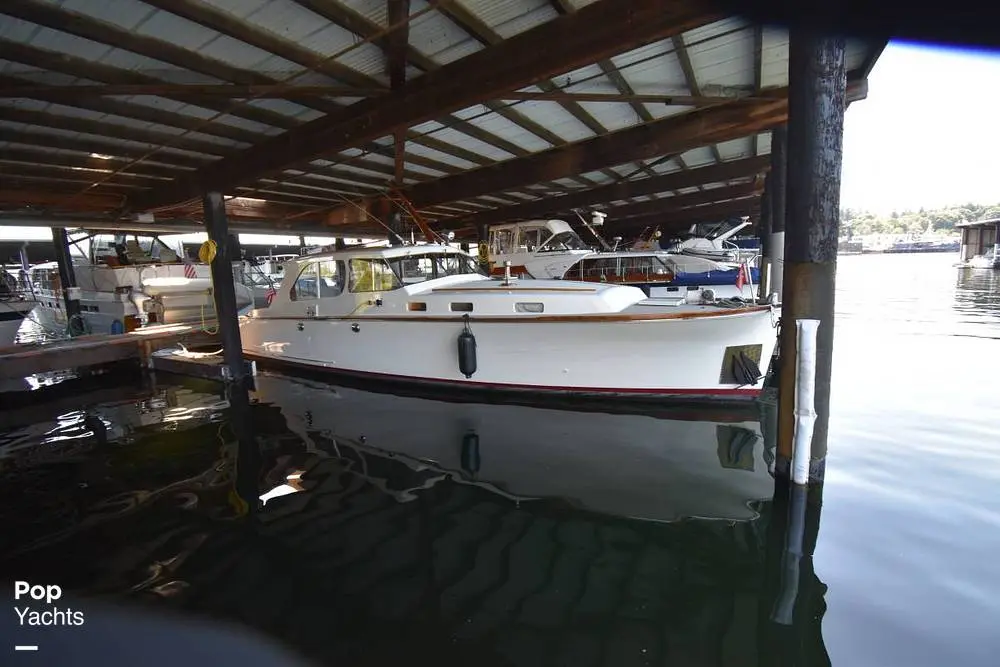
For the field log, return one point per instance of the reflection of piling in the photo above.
(817, 99)
(792, 603)
(67, 279)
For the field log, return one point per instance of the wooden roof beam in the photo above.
(468, 22)
(678, 202)
(680, 50)
(671, 135)
(689, 216)
(598, 30)
(623, 190)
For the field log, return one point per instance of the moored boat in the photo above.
(15, 305)
(124, 286)
(424, 314)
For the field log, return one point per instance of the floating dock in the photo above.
(25, 360)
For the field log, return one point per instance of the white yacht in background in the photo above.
(424, 314)
(535, 248)
(129, 283)
(263, 275)
(15, 305)
(714, 246)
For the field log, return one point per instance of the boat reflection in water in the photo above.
(709, 463)
(369, 529)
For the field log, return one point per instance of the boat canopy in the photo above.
(325, 276)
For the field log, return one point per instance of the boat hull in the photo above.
(12, 314)
(611, 356)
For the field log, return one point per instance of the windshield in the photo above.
(418, 268)
(564, 241)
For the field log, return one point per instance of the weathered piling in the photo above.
(224, 290)
(817, 100)
(778, 192)
(67, 279)
(766, 247)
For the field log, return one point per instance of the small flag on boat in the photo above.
(189, 271)
(271, 293)
(741, 276)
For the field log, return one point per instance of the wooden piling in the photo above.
(778, 183)
(223, 288)
(67, 279)
(817, 100)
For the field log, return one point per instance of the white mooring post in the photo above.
(805, 402)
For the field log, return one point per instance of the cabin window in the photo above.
(461, 307)
(331, 278)
(532, 239)
(305, 286)
(564, 241)
(529, 307)
(416, 306)
(372, 275)
(418, 268)
(502, 241)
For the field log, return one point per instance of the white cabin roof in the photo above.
(385, 252)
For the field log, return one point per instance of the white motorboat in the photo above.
(124, 286)
(535, 248)
(15, 305)
(988, 260)
(424, 314)
(263, 275)
(667, 275)
(714, 246)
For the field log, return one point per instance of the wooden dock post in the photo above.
(67, 278)
(817, 101)
(777, 179)
(222, 287)
(766, 264)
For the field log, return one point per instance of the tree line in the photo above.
(941, 220)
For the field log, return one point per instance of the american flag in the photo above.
(271, 293)
(189, 270)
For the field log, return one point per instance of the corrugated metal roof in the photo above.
(721, 55)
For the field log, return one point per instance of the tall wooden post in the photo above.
(223, 288)
(778, 182)
(817, 100)
(766, 246)
(67, 279)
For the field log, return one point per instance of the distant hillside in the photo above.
(861, 223)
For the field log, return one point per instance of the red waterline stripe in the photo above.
(523, 387)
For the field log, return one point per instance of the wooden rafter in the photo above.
(677, 202)
(684, 58)
(620, 191)
(596, 31)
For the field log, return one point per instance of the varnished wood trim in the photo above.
(530, 318)
(511, 288)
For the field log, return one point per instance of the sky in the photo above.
(928, 135)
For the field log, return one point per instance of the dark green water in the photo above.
(401, 529)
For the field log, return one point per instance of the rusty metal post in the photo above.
(223, 287)
(778, 182)
(816, 104)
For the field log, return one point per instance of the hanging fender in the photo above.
(467, 350)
